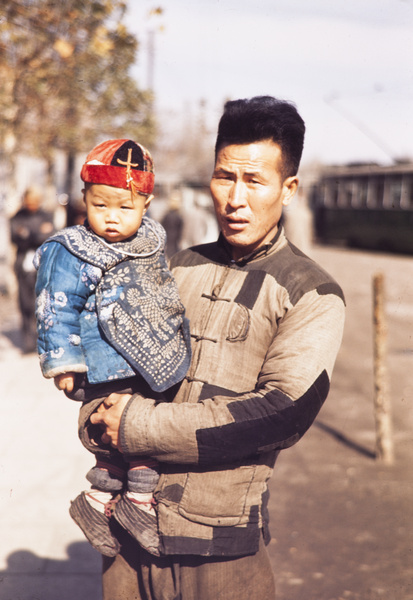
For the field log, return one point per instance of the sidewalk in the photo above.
(342, 524)
(43, 554)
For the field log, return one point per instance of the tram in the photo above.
(365, 206)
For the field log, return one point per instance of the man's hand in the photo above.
(65, 381)
(109, 415)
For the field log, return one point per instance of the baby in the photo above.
(109, 319)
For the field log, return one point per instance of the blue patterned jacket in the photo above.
(105, 311)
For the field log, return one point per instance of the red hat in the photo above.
(120, 163)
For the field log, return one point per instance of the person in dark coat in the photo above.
(173, 225)
(29, 228)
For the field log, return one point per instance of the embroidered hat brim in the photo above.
(115, 176)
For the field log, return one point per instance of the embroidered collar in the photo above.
(81, 241)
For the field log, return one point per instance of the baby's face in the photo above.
(114, 213)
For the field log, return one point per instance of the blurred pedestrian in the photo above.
(200, 223)
(173, 224)
(30, 227)
(75, 212)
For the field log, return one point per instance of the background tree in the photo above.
(65, 81)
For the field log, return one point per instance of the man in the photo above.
(266, 324)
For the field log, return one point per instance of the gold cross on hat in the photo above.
(128, 164)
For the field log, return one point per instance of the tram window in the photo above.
(363, 193)
(406, 200)
(330, 193)
(380, 192)
(359, 197)
(375, 192)
(393, 199)
(372, 194)
(324, 194)
(345, 193)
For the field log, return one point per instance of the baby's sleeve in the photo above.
(62, 290)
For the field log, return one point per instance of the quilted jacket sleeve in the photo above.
(290, 390)
(62, 290)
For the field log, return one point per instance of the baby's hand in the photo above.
(65, 381)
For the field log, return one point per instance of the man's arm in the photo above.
(291, 388)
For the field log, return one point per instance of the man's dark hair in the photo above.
(264, 118)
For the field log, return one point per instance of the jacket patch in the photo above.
(185, 545)
(242, 541)
(225, 541)
(197, 256)
(251, 289)
(173, 492)
(281, 420)
(331, 288)
(299, 275)
(209, 391)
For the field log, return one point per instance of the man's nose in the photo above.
(238, 194)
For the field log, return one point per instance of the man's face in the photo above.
(249, 192)
(113, 213)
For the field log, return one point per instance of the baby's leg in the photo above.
(109, 473)
(143, 475)
(135, 511)
(92, 509)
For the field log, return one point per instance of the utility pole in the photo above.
(151, 60)
(382, 406)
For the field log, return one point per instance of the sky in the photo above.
(346, 64)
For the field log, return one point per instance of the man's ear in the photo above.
(290, 186)
(147, 202)
(83, 195)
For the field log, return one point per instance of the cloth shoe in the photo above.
(95, 525)
(139, 521)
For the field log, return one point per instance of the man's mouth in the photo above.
(236, 223)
